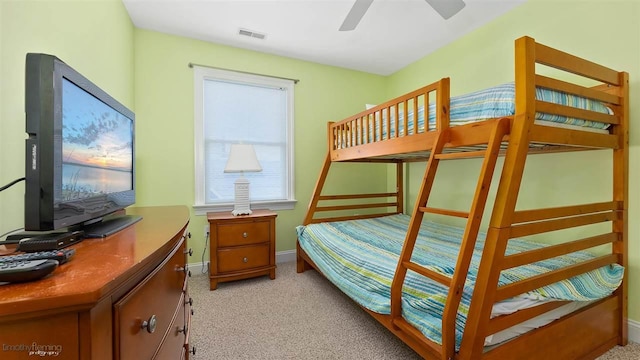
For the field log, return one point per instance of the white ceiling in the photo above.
(391, 35)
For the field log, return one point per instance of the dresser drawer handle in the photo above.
(184, 269)
(183, 330)
(244, 260)
(244, 234)
(190, 252)
(190, 301)
(150, 325)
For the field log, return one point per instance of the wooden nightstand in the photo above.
(242, 246)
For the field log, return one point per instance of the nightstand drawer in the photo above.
(241, 258)
(243, 233)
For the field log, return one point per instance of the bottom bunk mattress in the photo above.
(360, 258)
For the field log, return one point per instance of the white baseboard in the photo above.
(633, 331)
(285, 256)
(281, 257)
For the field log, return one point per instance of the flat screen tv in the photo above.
(80, 169)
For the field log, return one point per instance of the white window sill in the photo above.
(271, 205)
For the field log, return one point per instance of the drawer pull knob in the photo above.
(245, 260)
(244, 234)
(190, 252)
(183, 269)
(190, 301)
(182, 330)
(150, 325)
(193, 350)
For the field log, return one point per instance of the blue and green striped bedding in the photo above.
(360, 258)
(499, 101)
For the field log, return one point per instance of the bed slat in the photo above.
(560, 60)
(461, 155)
(442, 279)
(571, 112)
(575, 138)
(563, 86)
(535, 282)
(350, 217)
(356, 196)
(447, 212)
(551, 251)
(559, 224)
(564, 211)
(355, 206)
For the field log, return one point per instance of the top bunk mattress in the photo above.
(494, 102)
(499, 101)
(360, 258)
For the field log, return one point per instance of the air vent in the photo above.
(252, 34)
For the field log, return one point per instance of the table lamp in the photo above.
(242, 157)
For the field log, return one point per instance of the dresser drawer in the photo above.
(243, 233)
(153, 301)
(173, 346)
(243, 257)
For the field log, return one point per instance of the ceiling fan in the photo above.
(446, 9)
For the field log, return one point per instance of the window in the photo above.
(241, 108)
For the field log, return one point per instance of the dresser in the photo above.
(123, 297)
(242, 246)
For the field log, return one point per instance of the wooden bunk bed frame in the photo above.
(584, 334)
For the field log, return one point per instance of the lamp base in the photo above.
(241, 204)
(237, 212)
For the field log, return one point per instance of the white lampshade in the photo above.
(242, 157)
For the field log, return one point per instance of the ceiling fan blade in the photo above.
(355, 14)
(446, 8)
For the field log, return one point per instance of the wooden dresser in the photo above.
(242, 246)
(121, 297)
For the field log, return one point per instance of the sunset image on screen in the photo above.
(97, 145)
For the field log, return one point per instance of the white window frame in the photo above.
(202, 73)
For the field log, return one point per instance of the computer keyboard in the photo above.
(62, 256)
(25, 270)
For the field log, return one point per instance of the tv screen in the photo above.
(97, 147)
(80, 149)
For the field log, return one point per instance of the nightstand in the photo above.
(242, 246)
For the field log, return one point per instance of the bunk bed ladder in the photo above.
(474, 218)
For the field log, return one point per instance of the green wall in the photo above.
(165, 132)
(94, 37)
(606, 32)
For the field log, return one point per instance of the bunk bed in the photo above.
(450, 292)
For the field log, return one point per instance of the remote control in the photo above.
(62, 255)
(23, 271)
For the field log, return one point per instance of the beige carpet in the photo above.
(295, 316)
